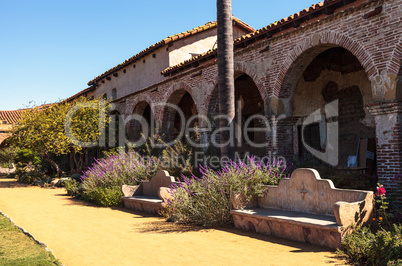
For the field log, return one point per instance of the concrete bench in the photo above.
(308, 209)
(148, 196)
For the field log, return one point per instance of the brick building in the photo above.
(343, 52)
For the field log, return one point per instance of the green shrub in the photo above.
(31, 174)
(377, 244)
(7, 157)
(73, 188)
(370, 246)
(105, 196)
(206, 200)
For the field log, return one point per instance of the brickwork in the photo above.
(276, 65)
(388, 119)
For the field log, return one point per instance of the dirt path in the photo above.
(81, 234)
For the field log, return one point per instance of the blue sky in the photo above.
(50, 49)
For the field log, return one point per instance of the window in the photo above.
(312, 136)
(114, 94)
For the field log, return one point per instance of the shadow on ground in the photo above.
(162, 226)
(298, 246)
(10, 182)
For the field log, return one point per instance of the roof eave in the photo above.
(166, 41)
(328, 7)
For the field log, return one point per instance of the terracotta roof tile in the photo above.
(11, 117)
(81, 93)
(307, 14)
(166, 41)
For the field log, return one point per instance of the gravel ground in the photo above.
(82, 234)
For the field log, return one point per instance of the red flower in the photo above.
(380, 191)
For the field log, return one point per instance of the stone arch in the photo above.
(302, 55)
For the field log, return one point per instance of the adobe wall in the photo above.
(132, 79)
(146, 71)
(200, 43)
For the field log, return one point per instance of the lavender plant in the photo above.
(102, 182)
(206, 200)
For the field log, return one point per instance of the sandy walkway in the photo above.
(81, 234)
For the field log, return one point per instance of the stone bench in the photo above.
(148, 196)
(308, 209)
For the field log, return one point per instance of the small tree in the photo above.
(43, 129)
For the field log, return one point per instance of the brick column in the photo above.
(388, 119)
(281, 140)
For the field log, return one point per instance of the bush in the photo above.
(105, 196)
(73, 188)
(31, 174)
(102, 182)
(7, 157)
(177, 159)
(206, 200)
(369, 246)
(377, 244)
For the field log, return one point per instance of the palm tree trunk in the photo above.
(226, 85)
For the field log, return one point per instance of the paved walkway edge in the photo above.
(28, 234)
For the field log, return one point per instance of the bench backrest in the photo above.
(305, 191)
(161, 179)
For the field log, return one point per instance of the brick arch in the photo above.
(139, 99)
(212, 104)
(182, 86)
(395, 64)
(238, 67)
(119, 109)
(302, 55)
(134, 130)
(174, 95)
(243, 67)
(208, 90)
